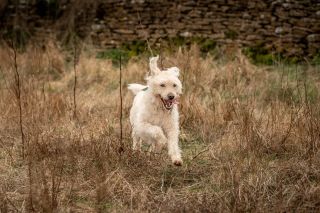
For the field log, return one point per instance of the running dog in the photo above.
(154, 115)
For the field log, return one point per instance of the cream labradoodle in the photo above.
(154, 114)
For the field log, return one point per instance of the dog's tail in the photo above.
(135, 88)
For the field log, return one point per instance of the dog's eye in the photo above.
(162, 85)
(174, 85)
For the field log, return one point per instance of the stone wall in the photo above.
(288, 26)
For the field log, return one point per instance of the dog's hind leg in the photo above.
(156, 147)
(136, 142)
(154, 135)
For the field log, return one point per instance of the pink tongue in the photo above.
(175, 101)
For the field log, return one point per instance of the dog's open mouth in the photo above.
(168, 104)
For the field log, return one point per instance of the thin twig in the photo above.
(305, 88)
(201, 152)
(121, 105)
(76, 58)
(75, 61)
(17, 91)
(161, 58)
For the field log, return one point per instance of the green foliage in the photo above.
(291, 60)
(135, 48)
(138, 47)
(304, 90)
(114, 55)
(126, 51)
(312, 93)
(207, 45)
(316, 59)
(179, 41)
(267, 59)
(259, 55)
(231, 34)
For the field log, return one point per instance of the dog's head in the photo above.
(165, 84)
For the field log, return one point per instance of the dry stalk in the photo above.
(17, 91)
(76, 58)
(75, 62)
(121, 149)
(161, 58)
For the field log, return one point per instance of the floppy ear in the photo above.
(154, 66)
(174, 71)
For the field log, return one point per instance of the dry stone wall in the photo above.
(291, 27)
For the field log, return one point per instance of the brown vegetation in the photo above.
(249, 135)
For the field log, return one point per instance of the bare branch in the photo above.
(75, 62)
(17, 90)
(121, 149)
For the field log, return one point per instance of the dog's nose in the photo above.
(171, 97)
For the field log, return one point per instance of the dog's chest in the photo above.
(161, 118)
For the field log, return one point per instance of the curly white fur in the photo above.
(154, 114)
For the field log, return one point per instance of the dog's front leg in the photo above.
(173, 147)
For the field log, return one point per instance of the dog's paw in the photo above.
(177, 162)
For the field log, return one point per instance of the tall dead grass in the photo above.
(249, 135)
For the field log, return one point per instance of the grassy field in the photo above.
(250, 136)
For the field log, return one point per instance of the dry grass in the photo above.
(250, 137)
